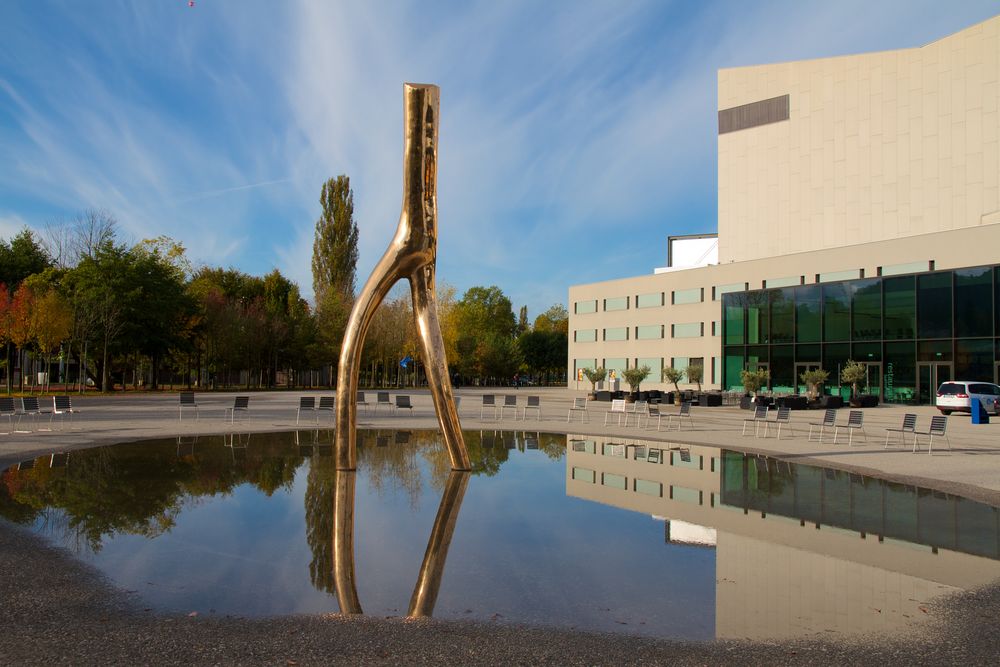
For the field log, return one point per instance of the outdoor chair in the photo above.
(855, 422)
(489, 401)
(937, 430)
(240, 404)
(509, 403)
(617, 408)
(534, 403)
(382, 398)
(580, 406)
(783, 418)
(402, 403)
(759, 416)
(361, 401)
(829, 421)
(654, 411)
(638, 409)
(7, 410)
(187, 401)
(307, 403)
(909, 426)
(62, 406)
(683, 413)
(29, 407)
(327, 404)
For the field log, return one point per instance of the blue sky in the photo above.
(576, 136)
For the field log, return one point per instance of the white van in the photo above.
(957, 396)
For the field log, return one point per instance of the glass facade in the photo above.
(912, 332)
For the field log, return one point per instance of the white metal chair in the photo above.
(909, 425)
(829, 421)
(684, 413)
(327, 404)
(638, 409)
(509, 403)
(361, 401)
(62, 406)
(402, 403)
(534, 403)
(240, 404)
(29, 407)
(7, 410)
(617, 408)
(937, 430)
(783, 418)
(382, 398)
(654, 411)
(579, 406)
(855, 422)
(489, 401)
(187, 401)
(307, 403)
(759, 415)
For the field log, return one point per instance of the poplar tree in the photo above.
(335, 245)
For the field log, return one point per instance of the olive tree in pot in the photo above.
(634, 377)
(754, 380)
(595, 375)
(853, 373)
(674, 375)
(813, 380)
(696, 373)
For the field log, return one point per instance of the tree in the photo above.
(556, 318)
(813, 379)
(335, 245)
(674, 375)
(755, 379)
(635, 376)
(853, 373)
(595, 375)
(696, 373)
(486, 326)
(20, 258)
(53, 323)
(522, 320)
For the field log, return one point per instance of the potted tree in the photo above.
(813, 380)
(634, 377)
(753, 381)
(853, 373)
(595, 375)
(696, 373)
(674, 375)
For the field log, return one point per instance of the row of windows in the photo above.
(616, 365)
(964, 303)
(644, 332)
(697, 294)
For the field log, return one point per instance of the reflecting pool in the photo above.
(576, 532)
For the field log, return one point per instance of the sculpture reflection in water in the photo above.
(428, 584)
(412, 255)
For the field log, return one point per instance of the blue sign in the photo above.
(406, 361)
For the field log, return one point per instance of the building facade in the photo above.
(841, 182)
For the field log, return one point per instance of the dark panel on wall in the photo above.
(750, 115)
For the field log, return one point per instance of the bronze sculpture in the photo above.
(412, 254)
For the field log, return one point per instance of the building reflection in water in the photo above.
(428, 584)
(800, 550)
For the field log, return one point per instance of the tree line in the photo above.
(86, 308)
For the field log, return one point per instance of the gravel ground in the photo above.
(57, 610)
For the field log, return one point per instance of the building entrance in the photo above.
(930, 374)
(873, 379)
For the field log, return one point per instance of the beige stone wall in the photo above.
(878, 146)
(971, 246)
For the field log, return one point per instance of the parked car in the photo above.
(957, 396)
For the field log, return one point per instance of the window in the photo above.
(973, 302)
(615, 368)
(653, 300)
(833, 276)
(934, 305)
(617, 303)
(585, 335)
(687, 330)
(866, 306)
(685, 296)
(716, 327)
(649, 331)
(616, 333)
(719, 290)
(655, 366)
(754, 114)
(899, 295)
(584, 475)
(584, 307)
(783, 282)
(807, 314)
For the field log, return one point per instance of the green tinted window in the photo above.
(866, 306)
(732, 322)
(733, 364)
(618, 303)
(836, 312)
(973, 303)
(900, 372)
(616, 333)
(687, 296)
(585, 335)
(757, 319)
(807, 314)
(900, 307)
(649, 331)
(974, 359)
(782, 316)
(582, 307)
(934, 305)
(649, 300)
(687, 330)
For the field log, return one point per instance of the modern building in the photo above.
(858, 218)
